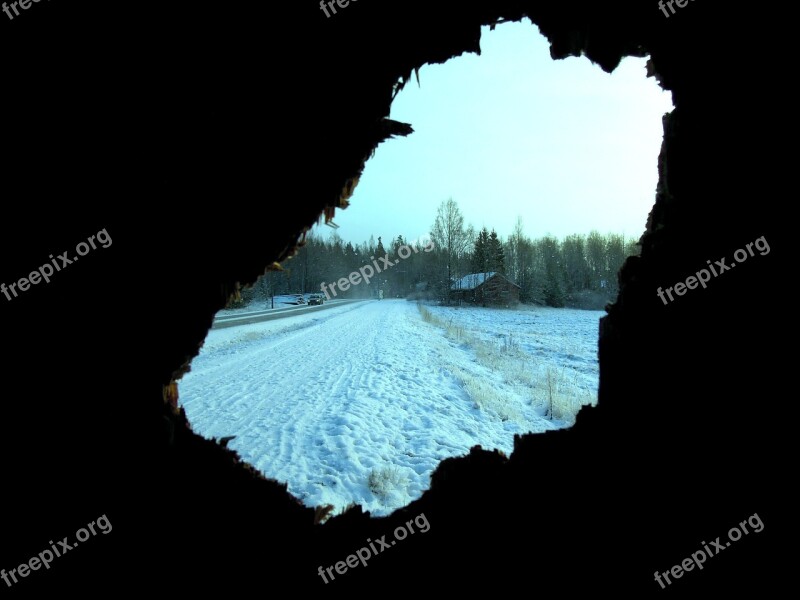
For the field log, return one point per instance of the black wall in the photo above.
(203, 137)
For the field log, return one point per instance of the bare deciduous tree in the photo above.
(451, 237)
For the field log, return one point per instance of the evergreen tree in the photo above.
(398, 241)
(496, 257)
(380, 251)
(481, 252)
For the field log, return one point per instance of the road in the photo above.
(247, 318)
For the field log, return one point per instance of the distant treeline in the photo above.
(579, 270)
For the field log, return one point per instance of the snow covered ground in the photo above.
(561, 342)
(360, 403)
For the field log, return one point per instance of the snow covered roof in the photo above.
(471, 281)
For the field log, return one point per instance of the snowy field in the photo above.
(360, 403)
(558, 342)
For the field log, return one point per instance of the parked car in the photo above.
(316, 299)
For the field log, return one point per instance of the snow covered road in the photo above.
(357, 404)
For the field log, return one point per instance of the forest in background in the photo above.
(577, 271)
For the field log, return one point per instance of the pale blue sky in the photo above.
(562, 144)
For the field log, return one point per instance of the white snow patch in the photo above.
(360, 403)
